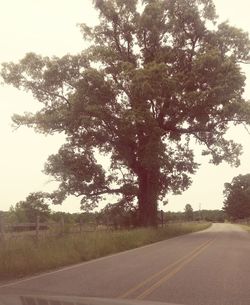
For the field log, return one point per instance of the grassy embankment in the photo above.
(246, 227)
(24, 256)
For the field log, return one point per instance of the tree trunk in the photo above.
(147, 198)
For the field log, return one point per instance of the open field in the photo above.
(27, 256)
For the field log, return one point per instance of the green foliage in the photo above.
(237, 197)
(29, 209)
(119, 215)
(207, 215)
(210, 215)
(173, 216)
(189, 213)
(24, 256)
(152, 80)
(67, 217)
(10, 217)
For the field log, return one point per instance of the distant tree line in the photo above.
(118, 215)
(124, 214)
(206, 215)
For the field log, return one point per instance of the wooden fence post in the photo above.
(62, 225)
(162, 218)
(37, 226)
(80, 223)
(2, 227)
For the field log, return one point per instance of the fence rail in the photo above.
(45, 229)
(40, 229)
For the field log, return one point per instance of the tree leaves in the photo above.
(237, 197)
(156, 75)
(34, 205)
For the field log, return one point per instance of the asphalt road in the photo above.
(211, 267)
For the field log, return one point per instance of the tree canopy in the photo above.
(157, 75)
(34, 205)
(188, 212)
(237, 197)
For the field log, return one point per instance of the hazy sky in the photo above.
(48, 27)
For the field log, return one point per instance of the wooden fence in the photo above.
(42, 229)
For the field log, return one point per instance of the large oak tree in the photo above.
(157, 74)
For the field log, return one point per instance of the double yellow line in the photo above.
(164, 275)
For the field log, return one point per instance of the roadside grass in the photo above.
(246, 227)
(26, 256)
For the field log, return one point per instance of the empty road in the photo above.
(211, 267)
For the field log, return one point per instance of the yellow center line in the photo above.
(143, 283)
(173, 272)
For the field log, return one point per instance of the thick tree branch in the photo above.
(107, 191)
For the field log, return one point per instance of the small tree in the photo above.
(189, 213)
(237, 197)
(33, 206)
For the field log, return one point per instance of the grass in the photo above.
(246, 227)
(25, 256)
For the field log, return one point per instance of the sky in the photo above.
(50, 28)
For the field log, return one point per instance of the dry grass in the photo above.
(26, 256)
(246, 227)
